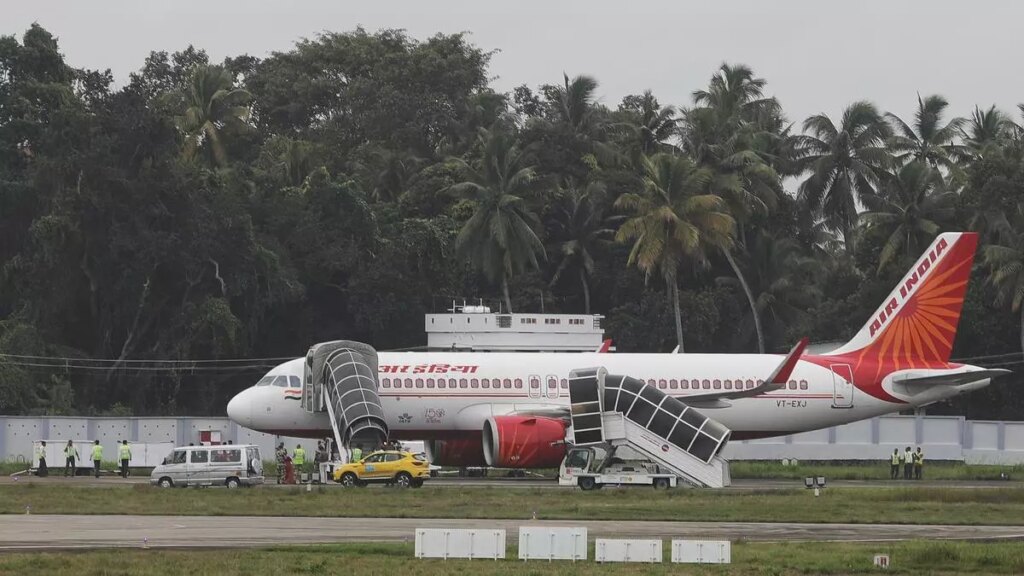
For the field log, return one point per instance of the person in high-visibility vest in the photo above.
(97, 456)
(70, 455)
(918, 463)
(299, 459)
(357, 453)
(908, 464)
(894, 468)
(42, 470)
(124, 454)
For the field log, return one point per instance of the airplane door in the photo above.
(551, 389)
(535, 390)
(842, 386)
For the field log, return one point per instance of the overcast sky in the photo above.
(817, 55)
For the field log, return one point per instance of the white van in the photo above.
(228, 465)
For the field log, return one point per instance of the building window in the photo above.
(504, 321)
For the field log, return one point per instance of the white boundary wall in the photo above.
(941, 437)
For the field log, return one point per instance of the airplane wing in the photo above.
(955, 379)
(775, 381)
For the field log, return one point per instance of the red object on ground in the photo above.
(289, 471)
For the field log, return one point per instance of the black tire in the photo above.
(586, 483)
(417, 483)
(232, 483)
(403, 480)
(661, 484)
(348, 480)
(165, 482)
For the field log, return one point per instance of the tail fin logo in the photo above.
(907, 287)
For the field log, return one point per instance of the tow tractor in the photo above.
(591, 467)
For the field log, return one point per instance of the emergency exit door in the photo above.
(842, 386)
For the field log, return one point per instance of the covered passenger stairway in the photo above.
(619, 411)
(340, 378)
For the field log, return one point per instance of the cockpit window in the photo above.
(295, 382)
(265, 381)
(281, 382)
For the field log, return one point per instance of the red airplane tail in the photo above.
(916, 325)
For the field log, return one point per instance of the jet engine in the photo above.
(523, 442)
(461, 452)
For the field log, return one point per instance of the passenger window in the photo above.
(474, 383)
(430, 382)
(650, 381)
(200, 456)
(792, 384)
(178, 457)
(393, 457)
(728, 384)
(565, 382)
(673, 384)
(519, 382)
(552, 383)
(507, 383)
(419, 382)
(441, 383)
(717, 385)
(408, 382)
(662, 383)
(750, 384)
(534, 382)
(463, 383)
(803, 384)
(385, 383)
(485, 383)
(684, 384)
(705, 384)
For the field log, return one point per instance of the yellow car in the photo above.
(404, 469)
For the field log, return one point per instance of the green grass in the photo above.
(390, 559)
(917, 505)
(868, 471)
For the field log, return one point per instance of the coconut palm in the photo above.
(579, 229)
(912, 209)
(845, 163)
(674, 220)
(649, 126)
(212, 105)
(928, 140)
(985, 128)
(1006, 263)
(500, 238)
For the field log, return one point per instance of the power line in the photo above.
(276, 360)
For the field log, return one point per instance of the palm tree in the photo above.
(579, 228)
(912, 209)
(500, 238)
(781, 277)
(674, 220)
(927, 140)
(845, 164)
(649, 126)
(574, 105)
(1006, 262)
(212, 104)
(730, 133)
(395, 170)
(985, 128)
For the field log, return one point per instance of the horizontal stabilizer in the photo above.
(957, 379)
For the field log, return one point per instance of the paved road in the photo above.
(36, 532)
(738, 485)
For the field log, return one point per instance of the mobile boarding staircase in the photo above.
(619, 411)
(340, 378)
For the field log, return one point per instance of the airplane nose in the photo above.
(240, 408)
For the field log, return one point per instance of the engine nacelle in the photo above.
(461, 452)
(524, 442)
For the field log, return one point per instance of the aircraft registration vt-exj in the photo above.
(511, 409)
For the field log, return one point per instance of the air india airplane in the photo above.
(512, 409)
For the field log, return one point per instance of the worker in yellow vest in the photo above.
(42, 470)
(918, 463)
(97, 456)
(299, 459)
(124, 454)
(894, 461)
(70, 455)
(908, 464)
(357, 453)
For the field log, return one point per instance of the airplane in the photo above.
(511, 409)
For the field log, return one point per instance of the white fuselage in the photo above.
(432, 395)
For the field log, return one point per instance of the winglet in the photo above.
(782, 373)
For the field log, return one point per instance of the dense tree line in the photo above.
(341, 189)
